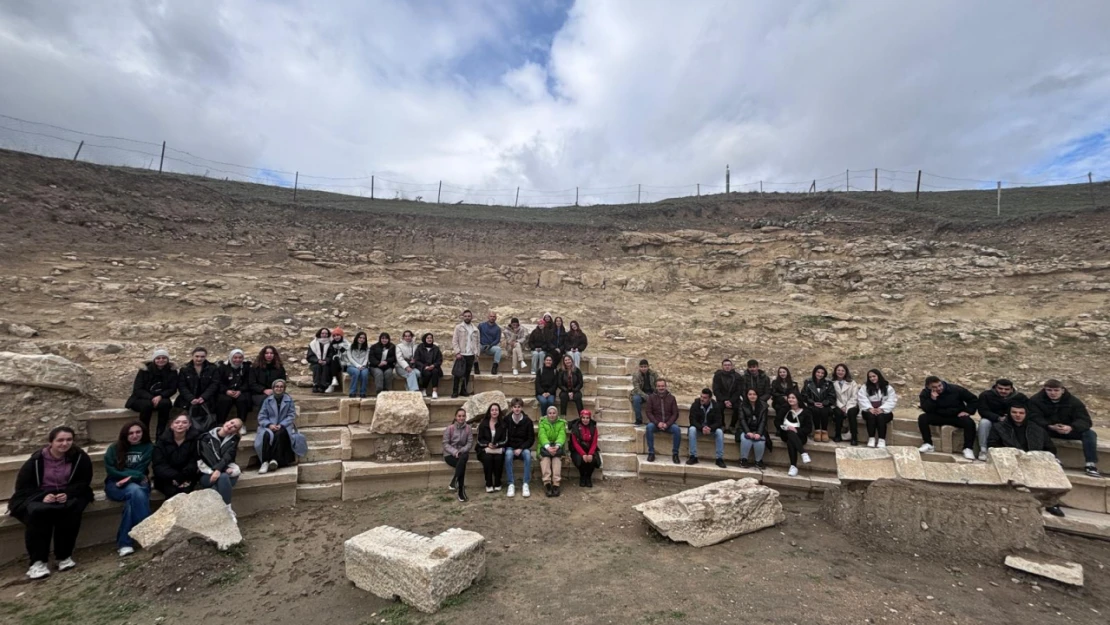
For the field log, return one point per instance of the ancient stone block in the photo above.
(47, 371)
(1065, 573)
(199, 513)
(421, 571)
(477, 405)
(866, 464)
(714, 513)
(400, 412)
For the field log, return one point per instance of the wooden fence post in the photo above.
(637, 194)
(727, 187)
(917, 194)
(296, 183)
(998, 211)
(1091, 186)
(517, 200)
(371, 187)
(761, 187)
(813, 187)
(699, 189)
(576, 196)
(876, 179)
(163, 159)
(847, 184)
(439, 193)
(81, 145)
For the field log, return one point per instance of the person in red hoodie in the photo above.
(661, 410)
(583, 447)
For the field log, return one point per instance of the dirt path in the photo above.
(585, 557)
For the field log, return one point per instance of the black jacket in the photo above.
(427, 355)
(495, 436)
(753, 420)
(191, 385)
(779, 391)
(559, 339)
(728, 386)
(1006, 433)
(823, 393)
(262, 377)
(953, 400)
(215, 453)
(994, 407)
(703, 416)
(151, 381)
(542, 339)
(376, 356)
(760, 382)
(232, 379)
(173, 462)
(573, 385)
(522, 436)
(1068, 411)
(28, 482)
(805, 419)
(547, 381)
(576, 340)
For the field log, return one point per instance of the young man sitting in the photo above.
(1064, 416)
(706, 419)
(1018, 432)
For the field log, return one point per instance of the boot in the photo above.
(476, 371)
(494, 369)
(455, 388)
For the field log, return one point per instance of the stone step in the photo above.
(330, 418)
(609, 361)
(619, 461)
(319, 472)
(1080, 522)
(804, 484)
(1087, 493)
(617, 444)
(612, 415)
(613, 391)
(616, 429)
(614, 403)
(612, 370)
(324, 435)
(620, 475)
(621, 381)
(323, 453)
(326, 491)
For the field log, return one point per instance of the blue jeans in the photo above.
(676, 435)
(577, 358)
(637, 408)
(526, 456)
(495, 350)
(718, 434)
(358, 380)
(1090, 443)
(545, 403)
(747, 445)
(223, 485)
(537, 360)
(412, 378)
(136, 506)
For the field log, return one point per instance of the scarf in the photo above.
(232, 355)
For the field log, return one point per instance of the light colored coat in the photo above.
(466, 340)
(283, 414)
(846, 395)
(889, 399)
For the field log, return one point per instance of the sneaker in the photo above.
(1092, 470)
(982, 456)
(792, 471)
(452, 485)
(66, 564)
(720, 462)
(435, 394)
(674, 459)
(969, 454)
(555, 491)
(273, 465)
(264, 469)
(523, 365)
(882, 443)
(1054, 511)
(743, 463)
(759, 465)
(855, 443)
(511, 490)
(692, 460)
(871, 441)
(516, 372)
(497, 488)
(805, 458)
(38, 570)
(125, 551)
(525, 492)
(232, 513)
(651, 456)
(462, 495)
(489, 489)
(926, 448)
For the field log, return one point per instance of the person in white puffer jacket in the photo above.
(876, 400)
(406, 351)
(847, 404)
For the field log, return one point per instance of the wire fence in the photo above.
(59, 142)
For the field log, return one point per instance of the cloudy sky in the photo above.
(553, 94)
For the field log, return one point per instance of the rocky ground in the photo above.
(101, 265)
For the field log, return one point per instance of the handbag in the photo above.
(459, 368)
(204, 421)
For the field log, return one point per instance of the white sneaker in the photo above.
(882, 442)
(524, 492)
(523, 365)
(264, 469)
(793, 471)
(489, 489)
(497, 489)
(871, 442)
(805, 458)
(126, 551)
(232, 513)
(926, 448)
(982, 456)
(331, 389)
(516, 371)
(66, 564)
(511, 490)
(970, 455)
(38, 570)
(435, 394)
(273, 465)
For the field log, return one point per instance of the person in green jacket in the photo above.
(552, 439)
(127, 461)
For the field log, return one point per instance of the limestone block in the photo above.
(422, 571)
(199, 513)
(907, 462)
(1065, 573)
(960, 473)
(1036, 470)
(46, 371)
(477, 405)
(866, 464)
(714, 513)
(400, 412)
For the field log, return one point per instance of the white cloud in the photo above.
(626, 92)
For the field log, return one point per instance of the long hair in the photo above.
(574, 328)
(73, 449)
(123, 445)
(365, 342)
(813, 375)
(562, 366)
(500, 412)
(847, 372)
(880, 386)
(262, 357)
(787, 382)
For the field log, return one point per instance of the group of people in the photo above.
(760, 409)
(503, 439)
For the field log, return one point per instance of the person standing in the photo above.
(576, 343)
(943, 403)
(466, 343)
(706, 420)
(752, 431)
(234, 391)
(520, 437)
(847, 404)
(728, 388)
(153, 391)
(547, 384)
(584, 452)
(994, 405)
(264, 371)
(552, 437)
(356, 362)
(489, 336)
(197, 385)
(383, 359)
(320, 356)
(661, 410)
(643, 387)
(52, 490)
(458, 440)
(277, 442)
(492, 438)
(794, 426)
(1062, 414)
(819, 394)
(127, 462)
(429, 361)
(877, 401)
(175, 459)
(514, 339)
(570, 386)
(406, 352)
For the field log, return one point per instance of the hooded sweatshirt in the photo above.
(135, 466)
